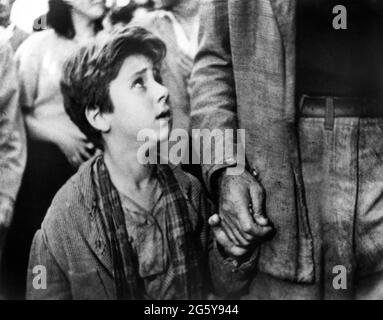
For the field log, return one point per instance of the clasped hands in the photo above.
(241, 224)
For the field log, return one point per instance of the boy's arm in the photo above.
(228, 276)
(45, 278)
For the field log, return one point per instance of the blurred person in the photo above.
(143, 7)
(24, 14)
(56, 147)
(176, 22)
(5, 12)
(13, 33)
(119, 16)
(12, 139)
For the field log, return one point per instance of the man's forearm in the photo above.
(213, 100)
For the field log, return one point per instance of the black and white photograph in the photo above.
(202, 150)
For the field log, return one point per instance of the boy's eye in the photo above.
(138, 83)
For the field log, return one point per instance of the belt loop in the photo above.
(302, 101)
(329, 118)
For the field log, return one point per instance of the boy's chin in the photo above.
(163, 134)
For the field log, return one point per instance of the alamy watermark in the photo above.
(210, 147)
(40, 23)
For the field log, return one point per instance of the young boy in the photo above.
(120, 229)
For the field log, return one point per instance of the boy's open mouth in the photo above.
(165, 115)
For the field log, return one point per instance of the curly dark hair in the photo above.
(88, 73)
(59, 17)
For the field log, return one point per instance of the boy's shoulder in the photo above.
(73, 202)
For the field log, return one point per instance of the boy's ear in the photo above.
(97, 120)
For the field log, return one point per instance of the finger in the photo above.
(259, 216)
(81, 136)
(250, 227)
(243, 238)
(245, 218)
(264, 232)
(214, 220)
(229, 213)
(228, 231)
(256, 205)
(222, 238)
(237, 251)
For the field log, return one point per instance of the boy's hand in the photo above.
(230, 248)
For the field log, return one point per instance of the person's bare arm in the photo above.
(72, 143)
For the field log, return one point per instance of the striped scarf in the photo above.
(182, 245)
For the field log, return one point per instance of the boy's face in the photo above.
(140, 102)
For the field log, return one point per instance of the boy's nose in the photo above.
(161, 93)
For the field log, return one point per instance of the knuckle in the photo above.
(247, 227)
(237, 252)
(248, 237)
(225, 207)
(263, 232)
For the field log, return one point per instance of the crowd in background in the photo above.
(40, 148)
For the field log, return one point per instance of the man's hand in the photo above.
(241, 201)
(230, 248)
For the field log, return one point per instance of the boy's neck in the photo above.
(126, 173)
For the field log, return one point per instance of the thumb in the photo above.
(214, 220)
(220, 235)
(256, 205)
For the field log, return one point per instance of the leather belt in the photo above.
(318, 107)
(330, 108)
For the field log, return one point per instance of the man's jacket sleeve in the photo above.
(213, 97)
